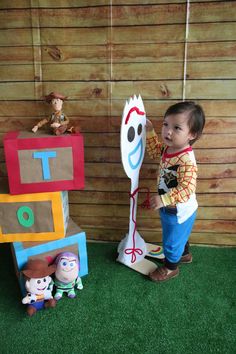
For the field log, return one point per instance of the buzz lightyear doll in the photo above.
(67, 275)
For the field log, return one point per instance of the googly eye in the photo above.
(131, 134)
(140, 128)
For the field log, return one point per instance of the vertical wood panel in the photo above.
(36, 44)
(99, 55)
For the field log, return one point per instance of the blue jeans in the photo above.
(174, 235)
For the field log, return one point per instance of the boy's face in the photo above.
(56, 104)
(175, 131)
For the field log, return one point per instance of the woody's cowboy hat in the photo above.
(53, 95)
(38, 268)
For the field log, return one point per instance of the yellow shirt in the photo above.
(177, 176)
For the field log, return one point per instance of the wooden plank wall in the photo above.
(100, 52)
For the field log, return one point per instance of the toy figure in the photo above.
(58, 120)
(67, 275)
(38, 285)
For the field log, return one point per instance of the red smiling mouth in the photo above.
(41, 289)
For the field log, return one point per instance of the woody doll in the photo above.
(58, 121)
(38, 285)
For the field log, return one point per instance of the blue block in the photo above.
(74, 241)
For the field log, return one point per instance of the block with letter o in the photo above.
(33, 217)
(74, 241)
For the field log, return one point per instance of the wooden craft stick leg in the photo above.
(144, 267)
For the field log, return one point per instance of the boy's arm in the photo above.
(153, 145)
(186, 177)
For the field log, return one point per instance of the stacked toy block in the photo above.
(74, 241)
(44, 163)
(34, 211)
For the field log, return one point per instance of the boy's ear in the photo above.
(192, 136)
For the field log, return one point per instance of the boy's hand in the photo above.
(156, 202)
(149, 126)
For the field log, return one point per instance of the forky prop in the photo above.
(132, 249)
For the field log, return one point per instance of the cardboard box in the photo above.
(74, 241)
(33, 217)
(44, 163)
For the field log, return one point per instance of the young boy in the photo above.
(182, 126)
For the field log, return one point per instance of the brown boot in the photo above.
(187, 258)
(163, 274)
(50, 303)
(31, 310)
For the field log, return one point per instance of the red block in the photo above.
(44, 163)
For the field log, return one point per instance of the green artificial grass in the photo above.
(121, 311)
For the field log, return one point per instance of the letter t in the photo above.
(45, 155)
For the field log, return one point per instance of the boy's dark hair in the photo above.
(196, 116)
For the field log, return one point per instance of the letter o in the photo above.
(22, 220)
